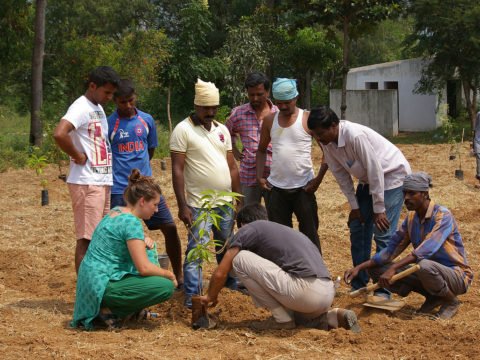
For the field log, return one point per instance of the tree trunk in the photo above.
(473, 117)
(471, 101)
(346, 49)
(307, 95)
(169, 115)
(36, 131)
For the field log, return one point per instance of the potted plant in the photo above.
(459, 171)
(204, 252)
(38, 162)
(448, 131)
(55, 155)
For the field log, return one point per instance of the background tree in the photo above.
(384, 43)
(16, 29)
(311, 51)
(352, 18)
(36, 132)
(292, 49)
(191, 57)
(243, 52)
(447, 35)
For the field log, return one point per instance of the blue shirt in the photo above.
(130, 139)
(435, 238)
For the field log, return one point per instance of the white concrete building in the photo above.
(416, 112)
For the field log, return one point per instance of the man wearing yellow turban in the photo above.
(202, 158)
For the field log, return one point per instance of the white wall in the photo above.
(417, 112)
(373, 108)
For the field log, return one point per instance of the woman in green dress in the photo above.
(119, 275)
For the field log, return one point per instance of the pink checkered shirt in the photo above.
(243, 121)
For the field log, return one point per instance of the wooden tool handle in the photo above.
(394, 278)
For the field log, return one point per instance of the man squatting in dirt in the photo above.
(82, 134)
(437, 247)
(283, 271)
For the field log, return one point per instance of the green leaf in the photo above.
(218, 242)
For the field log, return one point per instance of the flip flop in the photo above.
(145, 314)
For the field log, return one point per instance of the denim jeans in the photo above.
(192, 274)
(254, 194)
(361, 234)
(476, 150)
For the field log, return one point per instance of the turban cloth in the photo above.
(419, 181)
(284, 89)
(206, 94)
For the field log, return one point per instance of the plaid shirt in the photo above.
(243, 121)
(436, 238)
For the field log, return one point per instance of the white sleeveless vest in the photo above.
(291, 155)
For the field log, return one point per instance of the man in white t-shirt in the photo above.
(82, 134)
(202, 159)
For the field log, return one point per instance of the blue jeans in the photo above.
(476, 150)
(192, 274)
(254, 194)
(361, 234)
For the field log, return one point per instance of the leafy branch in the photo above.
(38, 162)
(204, 252)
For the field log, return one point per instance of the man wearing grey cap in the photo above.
(437, 247)
(292, 183)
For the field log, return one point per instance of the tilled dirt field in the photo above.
(37, 286)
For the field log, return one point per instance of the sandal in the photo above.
(144, 314)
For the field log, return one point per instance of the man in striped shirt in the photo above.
(246, 121)
(437, 247)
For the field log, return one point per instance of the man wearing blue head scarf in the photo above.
(291, 182)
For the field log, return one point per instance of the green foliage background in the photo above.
(165, 45)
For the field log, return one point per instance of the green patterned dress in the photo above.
(108, 262)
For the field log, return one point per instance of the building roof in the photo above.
(383, 65)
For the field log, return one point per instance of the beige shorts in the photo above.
(90, 203)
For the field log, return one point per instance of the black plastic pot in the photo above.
(452, 157)
(44, 197)
(459, 174)
(200, 317)
(163, 165)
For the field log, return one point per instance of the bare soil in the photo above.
(37, 286)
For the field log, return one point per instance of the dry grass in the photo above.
(37, 287)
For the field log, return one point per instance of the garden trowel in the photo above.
(372, 287)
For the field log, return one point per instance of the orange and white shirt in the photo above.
(90, 137)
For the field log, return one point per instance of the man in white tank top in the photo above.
(292, 181)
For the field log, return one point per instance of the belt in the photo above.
(288, 191)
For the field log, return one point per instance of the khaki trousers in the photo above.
(280, 292)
